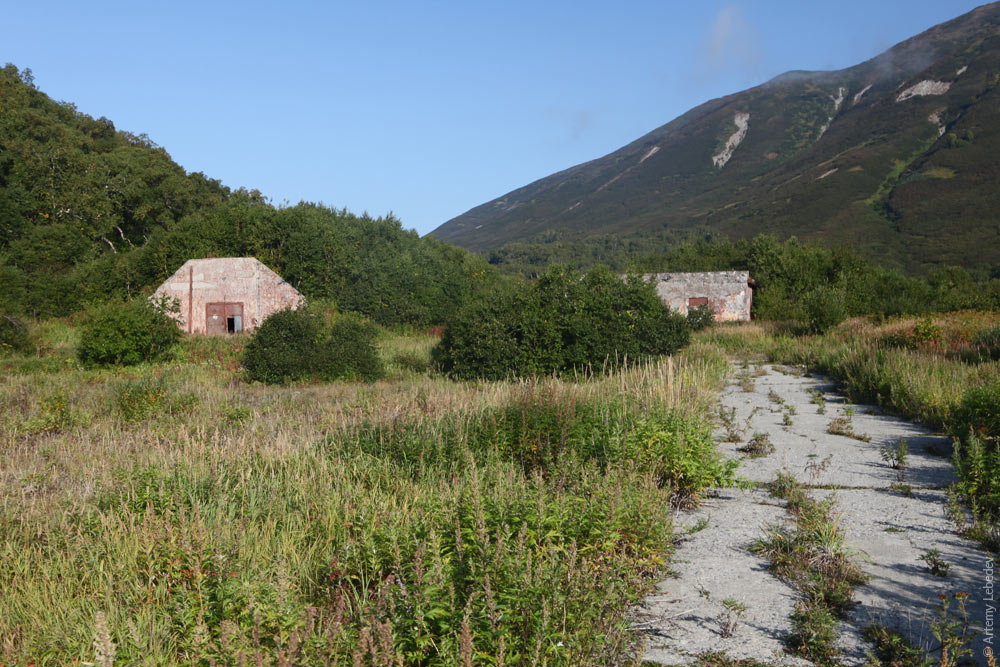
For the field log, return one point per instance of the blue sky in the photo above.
(425, 109)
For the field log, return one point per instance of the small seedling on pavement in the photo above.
(895, 457)
(935, 563)
(729, 619)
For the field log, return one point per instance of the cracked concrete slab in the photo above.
(889, 518)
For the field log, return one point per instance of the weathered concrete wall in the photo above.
(728, 293)
(230, 280)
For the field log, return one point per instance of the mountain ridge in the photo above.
(851, 156)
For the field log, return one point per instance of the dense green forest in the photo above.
(90, 213)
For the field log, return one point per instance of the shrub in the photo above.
(978, 411)
(283, 348)
(296, 344)
(700, 317)
(13, 336)
(128, 333)
(561, 322)
(977, 461)
(824, 308)
(680, 453)
(348, 350)
(55, 415)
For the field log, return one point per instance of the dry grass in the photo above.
(233, 523)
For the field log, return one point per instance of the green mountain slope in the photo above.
(89, 213)
(897, 156)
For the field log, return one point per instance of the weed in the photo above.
(842, 426)
(903, 489)
(55, 416)
(745, 381)
(891, 648)
(774, 397)
(937, 565)
(787, 420)
(759, 445)
(923, 378)
(411, 361)
(819, 400)
(734, 430)
(237, 414)
(699, 525)
(784, 485)
(951, 629)
(894, 529)
(814, 469)
(720, 659)
(812, 557)
(895, 456)
(729, 619)
(407, 517)
(977, 461)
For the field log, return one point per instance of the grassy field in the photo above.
(173, 514)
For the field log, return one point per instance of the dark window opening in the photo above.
(234, 324)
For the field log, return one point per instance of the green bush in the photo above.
(824, 308)
(14, 336)
(348, 350)
(564, 321)
(283, 348)
(295, 345)
(679, 452)
(700, 318)
(128, 333)
(977, 461)
(978, 411)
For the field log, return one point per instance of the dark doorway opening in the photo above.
(223, 318)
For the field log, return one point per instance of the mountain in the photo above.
(898, 156)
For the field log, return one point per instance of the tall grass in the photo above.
(174, 514)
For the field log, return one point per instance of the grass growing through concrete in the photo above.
(813, 558)
(932, 370)
(172, 514)
(758, 446)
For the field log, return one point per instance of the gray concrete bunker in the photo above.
(728, 294)
(226, 295)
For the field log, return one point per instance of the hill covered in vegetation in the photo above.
(89, 212)
(896, 157)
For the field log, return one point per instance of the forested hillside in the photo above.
(89, 212)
